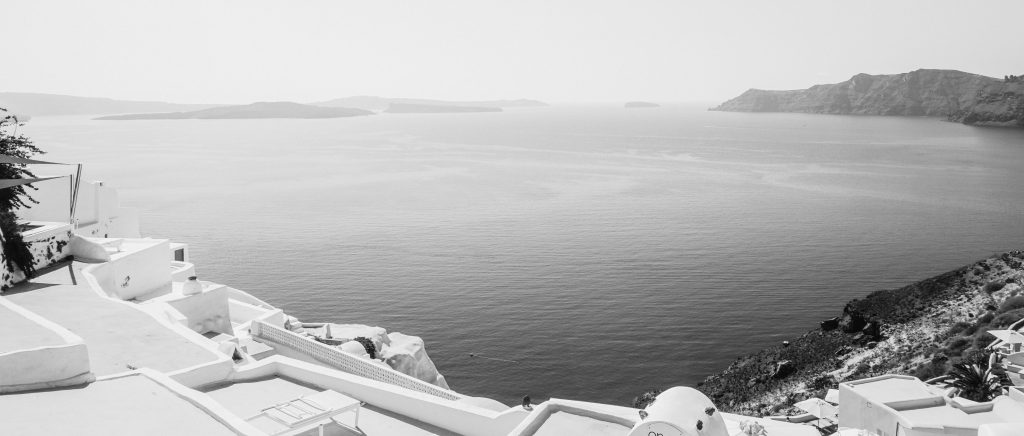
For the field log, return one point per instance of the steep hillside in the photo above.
(998, 104)
(920, 330)
(963, 97)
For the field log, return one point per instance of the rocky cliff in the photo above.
(404, 353)
(997, 104)
(963, 97)
(920, 330)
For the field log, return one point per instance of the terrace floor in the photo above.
(247, 399)
(23, 333)
(133, 405)
(117, 335)
(565, 423)
(893, 389)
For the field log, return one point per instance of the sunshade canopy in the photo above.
(832, 396)
(819, 408)
(10, 183)
(23, 161)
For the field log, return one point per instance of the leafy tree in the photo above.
(976, 380)
(11, 199)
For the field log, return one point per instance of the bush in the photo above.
(17, 250)
(861, 370)
(958, 345)
(19, 254)
(986, 318)
(823, 382)
(1005, 319)
(368, 346)
(958, 328)
(1012, 303)
(993, 286)
(646, 398)
(930, 370)
(983, 339)
(969, 331)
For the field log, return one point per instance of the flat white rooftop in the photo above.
(127, 405)
(893, 389)
(949, 416)
(247, 399)
(116, 334)
(563, 423)
(23, 333)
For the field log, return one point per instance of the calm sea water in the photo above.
(603, 250)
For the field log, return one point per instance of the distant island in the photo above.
(408, 108)
(640, 104)
(961, 97)
(280, 109)
(374, 103)
(35, 104)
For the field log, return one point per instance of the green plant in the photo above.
(983, 340)
(993, 286)
(645, 399)
(1012, 303)
(975, 380)
(15, 248)
(368, 346)
(958, 345)
(17, 251)
(986, 318)
(1006, 318)
(958, 327)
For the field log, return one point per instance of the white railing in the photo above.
(343, 361)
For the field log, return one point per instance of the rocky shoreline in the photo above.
(920, 330)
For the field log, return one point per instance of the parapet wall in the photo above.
(48, 244)
(64, 363)
(343, 361)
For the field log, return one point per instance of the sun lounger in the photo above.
(305, 413)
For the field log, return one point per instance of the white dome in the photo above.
(682, 411)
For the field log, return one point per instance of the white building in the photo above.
(897, 405)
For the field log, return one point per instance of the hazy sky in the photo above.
(306, 50)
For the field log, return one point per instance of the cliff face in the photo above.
(919, 330)
(998, 104)
(963, 97)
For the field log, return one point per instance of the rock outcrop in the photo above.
(403, 353)
(408, 355)
(962, 97)
(999, 104)
(349, 332)
(852, 320)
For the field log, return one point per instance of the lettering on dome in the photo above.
(657, 429)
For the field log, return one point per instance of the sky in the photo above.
(240, 51)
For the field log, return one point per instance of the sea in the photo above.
(586, 252)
